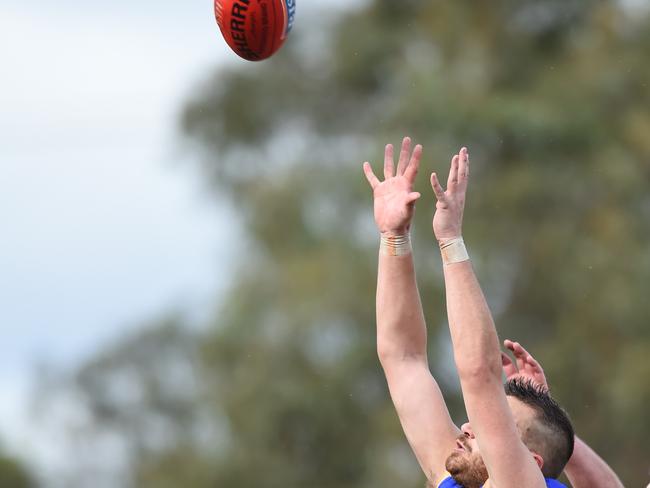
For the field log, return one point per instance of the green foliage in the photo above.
(13, 474)
(552, 98)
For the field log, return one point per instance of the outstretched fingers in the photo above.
(517, 349)
(370, 176)
(452, 179)
(520, 355)
(437, 189)
(408, 166)
(532, 364)
(526, 362)
(404, 156)
(509, 367)
(414, 164)
(389, 162)
(463, 167)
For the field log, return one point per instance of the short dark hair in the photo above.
(550, 434)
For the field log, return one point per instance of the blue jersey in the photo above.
(450, 483)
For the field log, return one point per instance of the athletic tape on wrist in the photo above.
(453, 251)
(395, 245)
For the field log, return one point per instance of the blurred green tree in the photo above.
(553, 99)
(13, 474)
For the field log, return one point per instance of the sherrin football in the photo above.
(255, 29)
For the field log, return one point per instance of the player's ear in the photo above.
(538, 459)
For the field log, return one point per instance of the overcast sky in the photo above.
(103, 222)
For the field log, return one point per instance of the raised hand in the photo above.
(394, 197)
(448, 219)
(526, 366)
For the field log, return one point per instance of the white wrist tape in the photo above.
(395, 245)
(453, 251)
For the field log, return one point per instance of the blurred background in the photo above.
(187, 249)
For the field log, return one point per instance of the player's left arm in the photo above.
(476, 346)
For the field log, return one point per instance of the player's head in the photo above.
(544, 428)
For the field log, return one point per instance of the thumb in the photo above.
(412, 197)
(437, 189)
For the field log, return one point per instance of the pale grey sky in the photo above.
(103, 223)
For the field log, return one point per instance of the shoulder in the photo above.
(447, 482)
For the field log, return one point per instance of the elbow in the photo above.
(478, 373)
(384, 355)
(383, 350)
(388, 350)
(390, 353)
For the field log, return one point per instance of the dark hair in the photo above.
(551, 433)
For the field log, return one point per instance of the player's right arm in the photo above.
(585, 468)
(401, 330)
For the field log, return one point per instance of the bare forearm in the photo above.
(478, 359)
(401, 331)
(474, 337)
(586, 469)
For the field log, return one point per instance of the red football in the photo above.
(255, 29)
